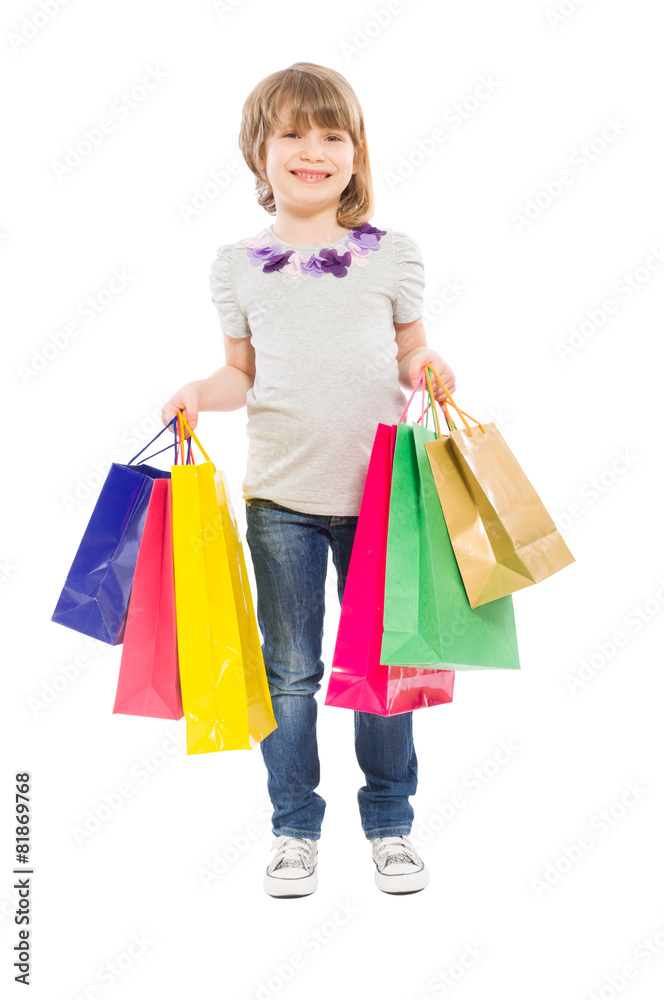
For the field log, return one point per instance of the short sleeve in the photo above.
(408, 304)
(232, 319)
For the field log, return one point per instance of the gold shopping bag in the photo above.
(503, 537)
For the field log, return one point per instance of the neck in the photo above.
(312, 229)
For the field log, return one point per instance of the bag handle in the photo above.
(450, 402)
(174, 445)
(425, 412)
(180, 443)
(417, 386)
(182, 420)
(171, 446)
(165, 427)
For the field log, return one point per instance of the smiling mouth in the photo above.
(311, 178)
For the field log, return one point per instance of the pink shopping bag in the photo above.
(358, 680)
(149, 678)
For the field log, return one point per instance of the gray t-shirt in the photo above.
(321, 321)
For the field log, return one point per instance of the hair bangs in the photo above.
(300, 101)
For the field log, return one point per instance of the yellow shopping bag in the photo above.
(225, 696)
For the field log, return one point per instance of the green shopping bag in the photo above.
(427, 618)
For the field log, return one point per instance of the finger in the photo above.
(170, 423)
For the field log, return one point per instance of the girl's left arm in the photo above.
(413, 354)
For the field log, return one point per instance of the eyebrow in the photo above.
(324, 128)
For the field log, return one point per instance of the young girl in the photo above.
(321, 318)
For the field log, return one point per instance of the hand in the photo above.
(430, 357)
(185, 400)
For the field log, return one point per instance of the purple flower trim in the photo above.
(359, 242)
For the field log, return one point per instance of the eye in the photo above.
(337, 137)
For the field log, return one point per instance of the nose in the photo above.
(312, 150)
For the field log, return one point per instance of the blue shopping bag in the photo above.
(96, 593)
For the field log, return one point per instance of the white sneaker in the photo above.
(399, 868)
(292, 871)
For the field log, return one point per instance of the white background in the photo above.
(568, 420)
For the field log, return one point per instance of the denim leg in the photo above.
(289, 553)
(386, 753)
(383, 744)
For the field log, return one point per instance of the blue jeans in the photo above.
(289, 552)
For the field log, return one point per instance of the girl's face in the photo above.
(310, 168)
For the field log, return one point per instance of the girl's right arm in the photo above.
(225, 389)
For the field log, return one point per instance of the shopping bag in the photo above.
(149, 680)
(358, 680)
(225, 695)
(96, 592)
(427, 617)
(503, 537)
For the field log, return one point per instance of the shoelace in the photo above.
(396, 850)
(292, 853)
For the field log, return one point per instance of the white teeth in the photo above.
(309, 176)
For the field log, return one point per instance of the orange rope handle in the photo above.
(432, 401)
(450, 401)
(433, 408)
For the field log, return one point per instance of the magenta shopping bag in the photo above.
(149, 678)
(358, 680)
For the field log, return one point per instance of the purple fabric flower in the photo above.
(335, 263)
(313, 266)
(258, 255)
(366, 235)
(273, 258)
(277, 261)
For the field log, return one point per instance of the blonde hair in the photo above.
(306, 90)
